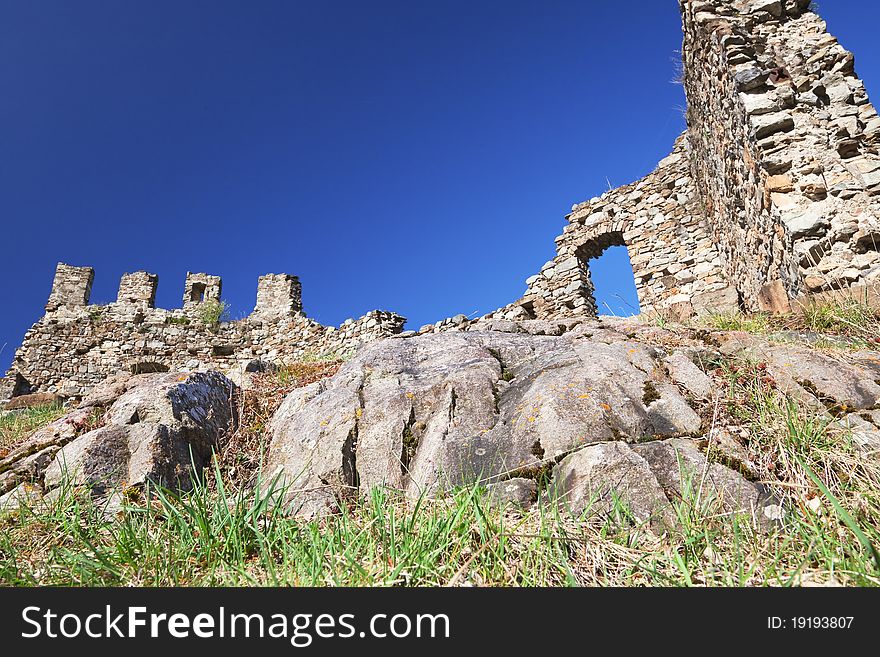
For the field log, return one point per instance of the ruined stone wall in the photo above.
(659, 219)
(76, 345)
(773, 192)
(784, 148)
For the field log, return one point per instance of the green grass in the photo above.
(327, 357)
(843, 316)
(737, 321)
(198, 539)
(213, 311)
(225, 533)
(15, 427)
(213, 537)
(842, 323)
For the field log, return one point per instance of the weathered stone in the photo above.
(750, 78)
(864, 434)
(813, 221)
(593, 480)
(797, 369)
(157, 430)
(768, 124)
(518, 492)
(34, 400)
(685, 373)
(780, 183)
(681, 468)
(21, 495)
(773, 298)
(450, 409)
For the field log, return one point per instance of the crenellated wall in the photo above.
(75, 345)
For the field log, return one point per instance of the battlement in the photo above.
(278, 295)
(77, 344)
(72, 286)
(138, 288)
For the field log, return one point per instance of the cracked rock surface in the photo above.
(130, 430)
(577, 410)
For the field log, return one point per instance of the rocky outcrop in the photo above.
(132, 429)
(611, 409)
(587, 415)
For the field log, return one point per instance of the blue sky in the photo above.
(412, 156)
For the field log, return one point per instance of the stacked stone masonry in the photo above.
(784, 147)
(772, 193)
(674, 259)
(76, 345)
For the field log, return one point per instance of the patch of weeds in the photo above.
(650, 393)
(15, 427)
(737, 321)
(178, 321)
(845, 316)
(339, 356)
(242, 454)
(410, 444)
(213, 311)
(506, 374)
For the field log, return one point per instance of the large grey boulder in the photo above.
(597, 479)
(684, 472)
(849, 381)
(161, 430)
(442, 410)
(132, 429)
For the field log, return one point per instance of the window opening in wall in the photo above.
(614, 282)
(198, 292)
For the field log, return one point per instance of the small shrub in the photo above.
(213, 311)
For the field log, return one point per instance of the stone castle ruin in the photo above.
(76, 345)
(772, 193)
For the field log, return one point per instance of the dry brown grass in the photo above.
(241, 455)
